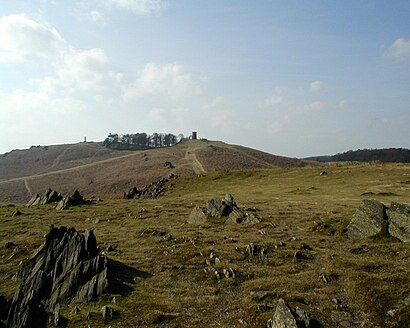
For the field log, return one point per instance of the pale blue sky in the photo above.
(295, 78)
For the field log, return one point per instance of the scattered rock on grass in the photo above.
(373, 218)
(368, 220)
(222, 210)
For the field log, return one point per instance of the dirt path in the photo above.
(28, 187)
(190, 156)
(70, 169)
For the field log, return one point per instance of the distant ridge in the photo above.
(97, 170)
(393, 155)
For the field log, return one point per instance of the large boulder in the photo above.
(368, 220)
(221, 210)
(285, 317)
(65, 268)
(399, 221)
(197, 216)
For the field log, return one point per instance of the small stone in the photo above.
(75, 310)
(57, 314)
(217, 261)
(107, 313)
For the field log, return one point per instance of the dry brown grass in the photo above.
(160, 280)
(96, 170)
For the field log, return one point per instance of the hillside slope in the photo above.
(96, 170)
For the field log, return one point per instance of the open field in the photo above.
(158, 259)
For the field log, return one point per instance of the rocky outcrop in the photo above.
(50, 196)
(152, 191)
(373, 218)
(285, 317)
(71, 200)
(67, 267)
(223, 211)
(369, 220)
(399, 221)
(133, 192)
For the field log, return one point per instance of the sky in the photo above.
(294, 78)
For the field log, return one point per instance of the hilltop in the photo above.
(103, 172)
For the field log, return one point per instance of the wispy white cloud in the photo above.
(81, 70)
(146, 7)
(316, 86)
(96, 15)
(21, 37)
(315, 106)
(169, 80)
(343, 104)
(399, 50)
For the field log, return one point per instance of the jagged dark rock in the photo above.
(71, 200)
(221, 210)
(65, 268)
(35, 200)
(50, 196)
(152, 191)
(399, 221)
(369, 220)
(131, 193)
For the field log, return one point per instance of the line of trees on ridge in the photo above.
(141, 141)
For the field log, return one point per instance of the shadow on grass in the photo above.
(122, 277)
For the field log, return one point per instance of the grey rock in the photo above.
(107, 313)
(222, 211)
(285, 317)
(50, 196)
(66, 267)
(197, 216)
(218, 208)
(71, 200)
(35, 200)
(369, 220)
(57, 314)
(399, 221)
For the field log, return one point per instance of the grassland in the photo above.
(158, 259)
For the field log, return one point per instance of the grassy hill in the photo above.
(160, 259)
(96, 170)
